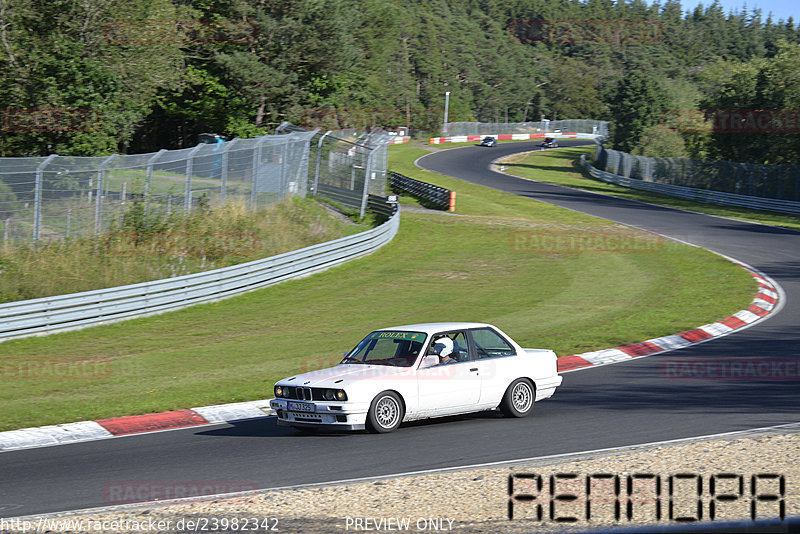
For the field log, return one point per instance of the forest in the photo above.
(95, 77)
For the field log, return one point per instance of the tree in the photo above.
(83, 75)
(661, 142)
(636, 105)
(573, 88)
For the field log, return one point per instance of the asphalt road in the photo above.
(608, 406)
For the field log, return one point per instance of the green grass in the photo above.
(551, 166)
(154, 248)
(477, 265)
(166, 182)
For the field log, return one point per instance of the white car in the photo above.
(418, 371)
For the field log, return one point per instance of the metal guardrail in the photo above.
(353, 199)
(79, 310)
(438, 196)
(698, 195)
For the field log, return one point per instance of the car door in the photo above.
(495, 358)
(450, 387)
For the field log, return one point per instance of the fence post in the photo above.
(98, 207)
(5, 233)
(148, 184)
(285, 170)
(224, 170)
(256, 162)
(365, 193)
(319, 155)
(187, 198)
(37, 197)
(301, 177)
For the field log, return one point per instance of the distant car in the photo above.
(418, 371)
(549, 142)
(489, 141)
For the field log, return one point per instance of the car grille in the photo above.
(306, 394)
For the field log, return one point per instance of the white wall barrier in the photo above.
(698, 195)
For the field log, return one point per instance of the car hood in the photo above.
(344, 374)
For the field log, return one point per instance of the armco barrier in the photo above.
(352, 199)
(438, 196)
(79, 310)
(698, 195)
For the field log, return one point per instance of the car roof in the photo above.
(431, 328)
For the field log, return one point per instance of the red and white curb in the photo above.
(509, 137)
(765, 303)
(44, 436)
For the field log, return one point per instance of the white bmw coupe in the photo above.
(419, 371)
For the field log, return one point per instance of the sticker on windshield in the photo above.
(410, 336)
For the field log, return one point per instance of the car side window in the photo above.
(460, 349)
(489, 344)
(460, 352)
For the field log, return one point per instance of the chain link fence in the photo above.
(58, 197)
(566, 126)
(347, 166)
(780, 182)
(61, 197)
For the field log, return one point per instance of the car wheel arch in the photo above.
(396, 392)
(376, 398)
(504, 402)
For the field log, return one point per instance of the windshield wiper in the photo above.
(346, 358)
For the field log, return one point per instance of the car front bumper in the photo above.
(334, 415)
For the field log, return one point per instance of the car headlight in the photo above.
(279, 391)
(334, 395)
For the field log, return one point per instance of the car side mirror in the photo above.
(429, 361)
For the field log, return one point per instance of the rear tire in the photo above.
(385, 413)
(518, 399)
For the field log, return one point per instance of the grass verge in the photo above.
(498, 260)
(550, 166)
(146, 247)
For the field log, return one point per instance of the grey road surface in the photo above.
(608, 406)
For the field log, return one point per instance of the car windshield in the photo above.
(387, 347)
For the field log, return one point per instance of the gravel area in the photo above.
(477, 500)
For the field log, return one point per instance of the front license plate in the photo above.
(300, 407)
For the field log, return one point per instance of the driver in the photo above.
(443, 348)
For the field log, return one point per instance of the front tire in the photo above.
(518, 399)
(385, 413)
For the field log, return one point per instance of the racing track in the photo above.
(596, 408)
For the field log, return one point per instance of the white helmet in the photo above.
(443, 346)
